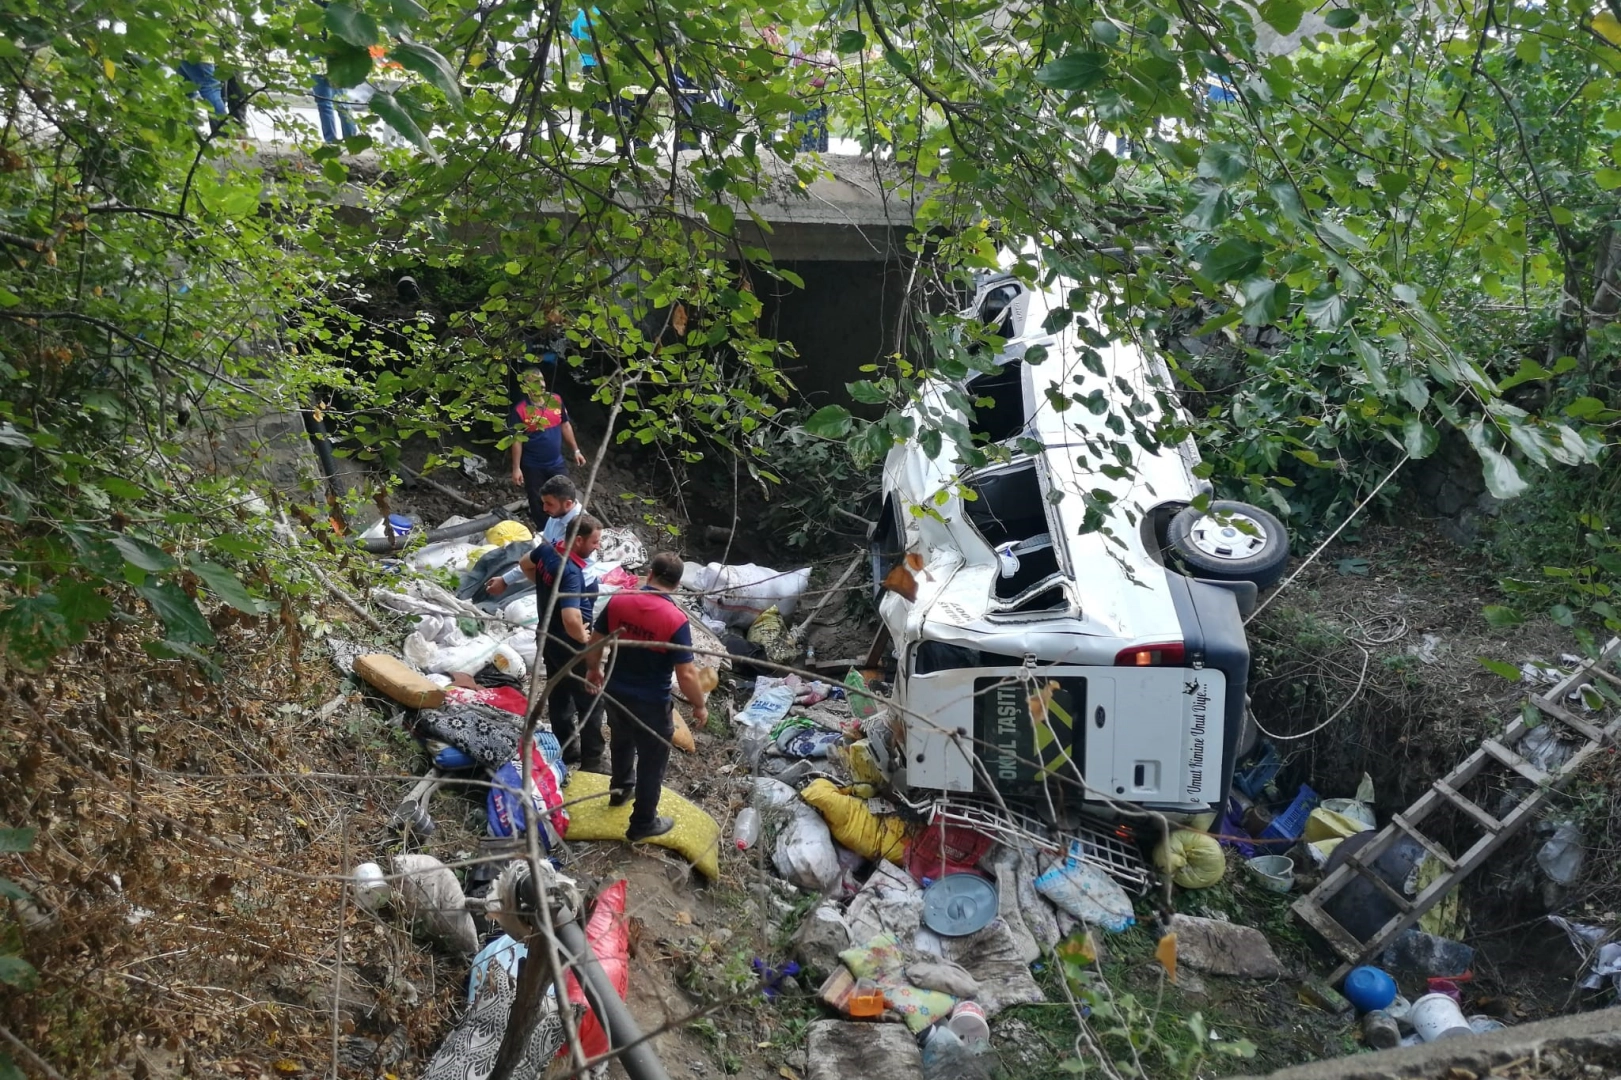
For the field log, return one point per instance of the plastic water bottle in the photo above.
(746, 829)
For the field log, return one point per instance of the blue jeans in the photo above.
(201, 75)
(331, 113)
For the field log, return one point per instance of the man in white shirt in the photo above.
(559, 500)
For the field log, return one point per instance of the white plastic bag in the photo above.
(805, 853)
(524, 611)
(738, 594)
(509, 661)
(433, 897)
(440, 555)
(440, 629)
(470, 655)
(1088, 894)
(767, 707)
(763, 712)
(523, 643)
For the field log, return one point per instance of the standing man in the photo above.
(571, 699)
(541, 424)
(640, 720)
(559, 501)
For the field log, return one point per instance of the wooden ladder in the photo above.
(1446, 792)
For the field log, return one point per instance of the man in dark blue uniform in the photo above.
(571, 700)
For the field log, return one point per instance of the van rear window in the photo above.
(1026, 728)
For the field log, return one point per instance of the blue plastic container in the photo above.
(1369, 988)
(1263, 766)
(1287, 826)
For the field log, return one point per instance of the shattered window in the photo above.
(1004, 417)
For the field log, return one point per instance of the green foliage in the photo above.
(1388, 233)
(15, 972)
(1402, 228)
(811, 479)
(161, 284)
(1143, 1039)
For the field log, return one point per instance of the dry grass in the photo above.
(188, 864)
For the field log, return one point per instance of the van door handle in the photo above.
(1097, 716)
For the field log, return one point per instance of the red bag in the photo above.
(609, 935)
(507, 698)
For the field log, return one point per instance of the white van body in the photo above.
(1033, 655)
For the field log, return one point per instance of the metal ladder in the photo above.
(1309, 909)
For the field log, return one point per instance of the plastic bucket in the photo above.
(1275, 872)
(1436, 1016)
(969, 1024)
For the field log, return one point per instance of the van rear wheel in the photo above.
(1231, 541)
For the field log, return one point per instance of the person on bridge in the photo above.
(657, 644)
(543, 431)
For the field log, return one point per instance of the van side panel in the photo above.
(1213, 632)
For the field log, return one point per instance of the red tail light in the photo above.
(1169, 653)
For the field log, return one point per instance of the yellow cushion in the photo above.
(696, 835)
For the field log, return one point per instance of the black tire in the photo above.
(1231, 552)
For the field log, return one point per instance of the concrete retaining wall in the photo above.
(1585, 1039)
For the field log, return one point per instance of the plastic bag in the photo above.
(766, 630)
(509, 661)
(440, 629)
(763, 712)
(805, 853)
(440, 555)
(1088, 894)
(504, 803)
(506, 532)
(861, 705)
(524, 645)
(854, 826)
(433, 897)
(524, 611)
(1193, 859)
(1562, 856)
(1325, 824)
(739, 594)
(609, 935)
(470, 655)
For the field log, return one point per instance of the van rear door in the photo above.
(1154, 735)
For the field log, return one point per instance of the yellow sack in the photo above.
(682, 738)
(854, 826)
(1327, 825)
(506, 532)
(863, 765)
(696, 836)
(1193, 859)
(478, 553)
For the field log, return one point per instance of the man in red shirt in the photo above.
(640, 720)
